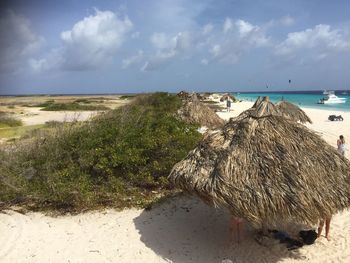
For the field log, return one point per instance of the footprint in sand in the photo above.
(11, 229)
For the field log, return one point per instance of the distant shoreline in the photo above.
(312, 92)
(61, 95)
(135, 93)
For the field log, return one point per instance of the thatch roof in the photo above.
(289, 110)
(226, 97)
(183, 94)
(258, 101)
(195, 112)
(267, 169)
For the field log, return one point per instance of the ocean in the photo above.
(307, 99)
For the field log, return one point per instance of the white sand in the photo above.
(181, 230)
(35, 116)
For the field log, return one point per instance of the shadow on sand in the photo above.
(184, 229)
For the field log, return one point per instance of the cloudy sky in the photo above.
(100, 46)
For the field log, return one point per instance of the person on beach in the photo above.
(320, 226)
(228, 104)
(236, 229)
(341, 145)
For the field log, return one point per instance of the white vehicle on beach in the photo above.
(331, 98)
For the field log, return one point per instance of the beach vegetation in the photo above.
(71, 106)
(7, 120)
(120, 158)
(125, 97)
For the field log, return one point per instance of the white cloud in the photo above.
(135, 35)
(92, 42)
(228, 25)
(244, 28)
(168, 47)
(310, 46)
(204, 61)
(321, 37)
(208, 28)
(287, 20)
(52, 61)
(158, 60)
(161, 41)
(133, 59)
(237, 38)
(17, 41)
(215, 50)
(253, 34)
(224, 46)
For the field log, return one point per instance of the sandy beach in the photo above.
(35, 116)
(182, 229)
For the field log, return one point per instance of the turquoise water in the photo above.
(307, 99)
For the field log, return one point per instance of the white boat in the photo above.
(331, 98)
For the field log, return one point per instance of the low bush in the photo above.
(42, 105)
(73, 106)
(125, 97)
(118, 158)
(8, 121)
(86, 101)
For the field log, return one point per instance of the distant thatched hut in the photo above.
(195, 112)
(289, 110)
(228, 96)
(183, 95)
(267, 169)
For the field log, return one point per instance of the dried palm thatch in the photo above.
(195, 112)
(267, 169)
(183, 95)
(226, 97)
(258, 101)
(257, 108)
(289, 110)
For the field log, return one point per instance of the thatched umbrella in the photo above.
(226, 97)
(183, 94)
(267, 169)
(258, 101)
(195, 112)
(289, 110)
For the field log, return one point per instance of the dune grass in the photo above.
(120, 159)
(17, 132)
(72, 106)
(124, 97)
(8, 121)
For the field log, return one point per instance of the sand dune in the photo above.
(183, 229)
(36, 116)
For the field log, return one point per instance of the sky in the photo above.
(100, 46)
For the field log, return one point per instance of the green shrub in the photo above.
(125, 97)
(8, 121)
(117, 159)
(44, 104)
(86, 101)
(73, 106)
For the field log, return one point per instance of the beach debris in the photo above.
(335, 118)
(267, 169)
